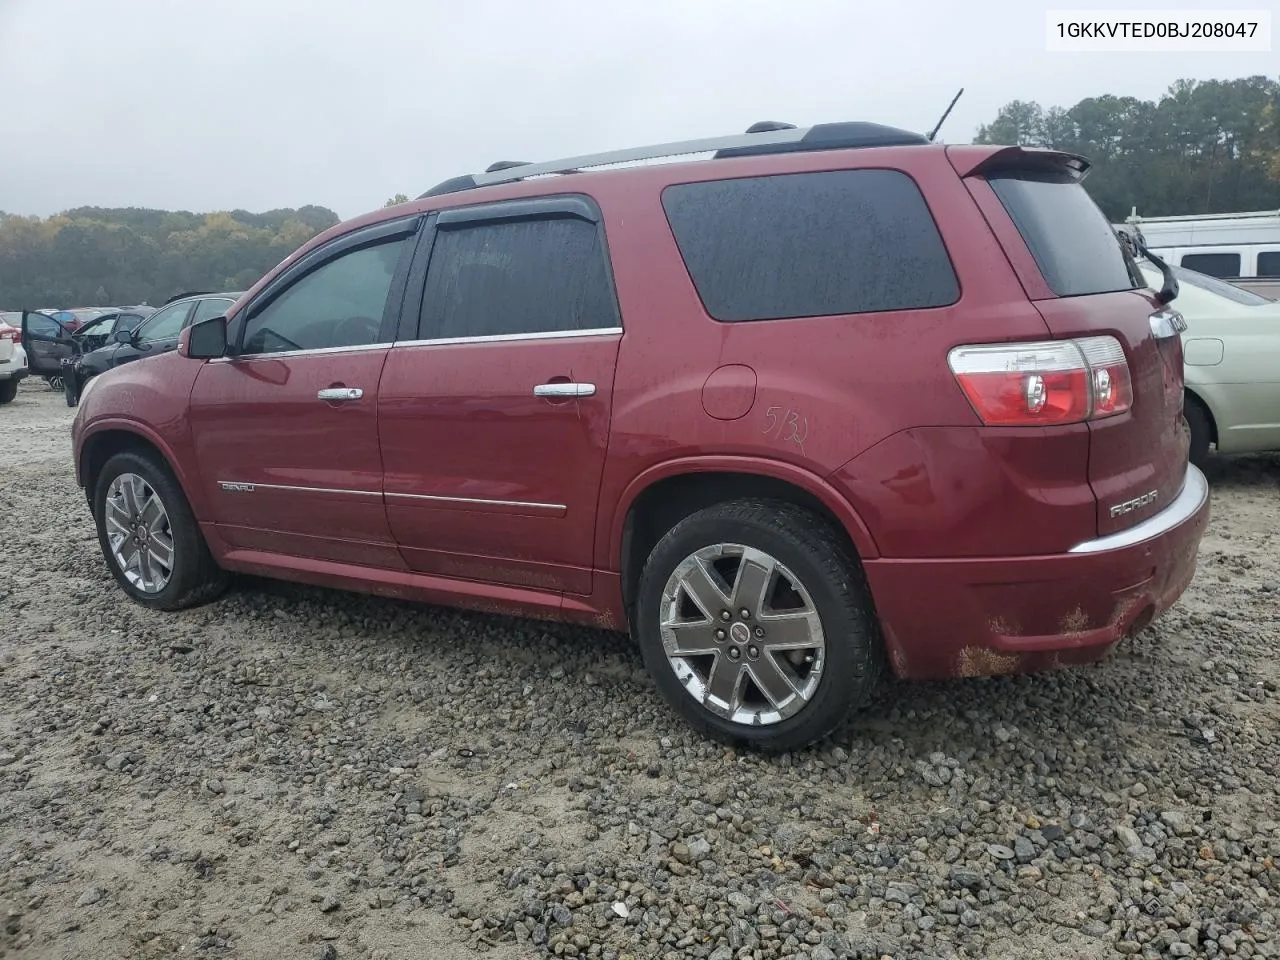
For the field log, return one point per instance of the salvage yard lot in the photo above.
(293, 772)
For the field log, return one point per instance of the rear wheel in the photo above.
(756, 625)
(1201, 427)
(8, 389)
(150, 537)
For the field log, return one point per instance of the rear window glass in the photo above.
(1269, 263)
(1076, 249)
(810, 244)
(1214, 264)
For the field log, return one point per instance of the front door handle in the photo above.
(340, 393)
(565, 390)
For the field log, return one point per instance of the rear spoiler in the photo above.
(977, 161)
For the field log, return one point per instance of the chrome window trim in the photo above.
(1195, 491)
(355, 348)
(514, 337)
(558, 507)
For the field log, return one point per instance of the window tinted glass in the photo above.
(129, 321)
(100, 326)
(339, 304)
(213, 307)
(1220, 287)
(1269, 263)
(1075, 247)
(529, 276)
(810, 244)
(1214, 264)
(43, 325)
(166, 324)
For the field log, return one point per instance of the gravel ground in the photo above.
(292, 772)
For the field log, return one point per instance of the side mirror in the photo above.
(206, 340)
(123, 336)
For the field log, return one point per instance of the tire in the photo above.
(193, 577)
(8, 389)
(1201, 427)
(55, 383)
(721, 541)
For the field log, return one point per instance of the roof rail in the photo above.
(765, 137)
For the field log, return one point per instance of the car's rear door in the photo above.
(286, 428)
(495, 415)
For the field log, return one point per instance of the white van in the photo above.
(1243, 248)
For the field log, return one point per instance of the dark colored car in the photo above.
(833, 399)
(98, 333)
(153, 334)
(48, 342)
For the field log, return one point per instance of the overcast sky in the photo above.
(216, 104)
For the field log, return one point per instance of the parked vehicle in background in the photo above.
(48, 342)
(13, 357)
(1231, 355)
(1242, 248)
(146, 336)
(98, 333)
(751, 408)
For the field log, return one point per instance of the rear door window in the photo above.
(1269, 263)
(810, 244)
(534, 276)
(1214, 264)
(1073, 244)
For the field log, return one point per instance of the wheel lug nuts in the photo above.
(734, 653)
(719, 634)
(759, 631)
(725, 615)
(746, 614)
(753, 651)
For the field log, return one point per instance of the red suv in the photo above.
(825, 401)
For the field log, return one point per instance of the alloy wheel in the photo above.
(139, 533)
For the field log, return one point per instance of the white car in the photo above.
(1231, 364)
(13, 358)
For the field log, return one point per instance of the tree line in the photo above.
(1202, 147)
(95, 256)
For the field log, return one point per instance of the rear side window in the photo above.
(1269, 264)
(489, 279)
(1074, 246)
(810, 244)
(1214, 264)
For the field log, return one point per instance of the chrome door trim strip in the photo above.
(514, 337)
(526, 504)
(236, 486)
(357, 348)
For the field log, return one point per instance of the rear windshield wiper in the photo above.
(1170, 288)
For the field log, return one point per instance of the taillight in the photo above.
(1053, 381)
(11, 333)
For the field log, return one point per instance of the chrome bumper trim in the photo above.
(1195, 491)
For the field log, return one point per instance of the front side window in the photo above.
(213, 307)
(1214, 264)
(43, 325)
(165, 325)
(129, 321)
(338, 304)
(544, 275)
(810, 244)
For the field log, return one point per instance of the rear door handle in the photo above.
(565, 390)
(340, 393)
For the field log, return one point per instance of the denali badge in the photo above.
(1131, 505)
(235, 487)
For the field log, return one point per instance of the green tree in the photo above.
(398, 198)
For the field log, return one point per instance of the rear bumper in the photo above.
(984, 616)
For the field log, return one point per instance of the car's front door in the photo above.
(286, 427)
(48, 342)
(159, 334)
(495, 416)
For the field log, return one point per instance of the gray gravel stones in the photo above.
(396, 781)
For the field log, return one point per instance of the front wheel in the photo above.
(756, 624)
(150, 537)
